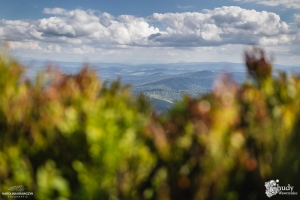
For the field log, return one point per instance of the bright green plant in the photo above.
(73, 137)
(70, 137)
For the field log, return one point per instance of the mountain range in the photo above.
(163, 84)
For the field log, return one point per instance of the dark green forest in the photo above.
(75, 137)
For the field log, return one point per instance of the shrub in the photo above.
(73, 137)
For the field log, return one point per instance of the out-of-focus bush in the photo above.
(69, 136)
(72, 137)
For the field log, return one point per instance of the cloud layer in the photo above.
(286, 3)
(225, 25)
(87, 31)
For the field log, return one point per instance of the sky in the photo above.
(150, 31)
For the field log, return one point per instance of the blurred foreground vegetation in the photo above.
(73, 137)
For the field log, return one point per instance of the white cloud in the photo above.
(286, 3)
(184, 7)
(90, 32)
(79, 27)
(101, 30)
(220, 26)
(225, 25)
(55, 11)
(30, 45)
(54, 47)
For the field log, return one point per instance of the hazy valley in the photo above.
(163, 84)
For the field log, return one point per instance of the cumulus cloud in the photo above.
(286, 3)
(85, 31)
(54, 47)
(30, 45)
(79, 27)
(224, 25)
(183, 7)
(90, 28)
(55, 11)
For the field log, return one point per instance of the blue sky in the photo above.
(144, 31)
